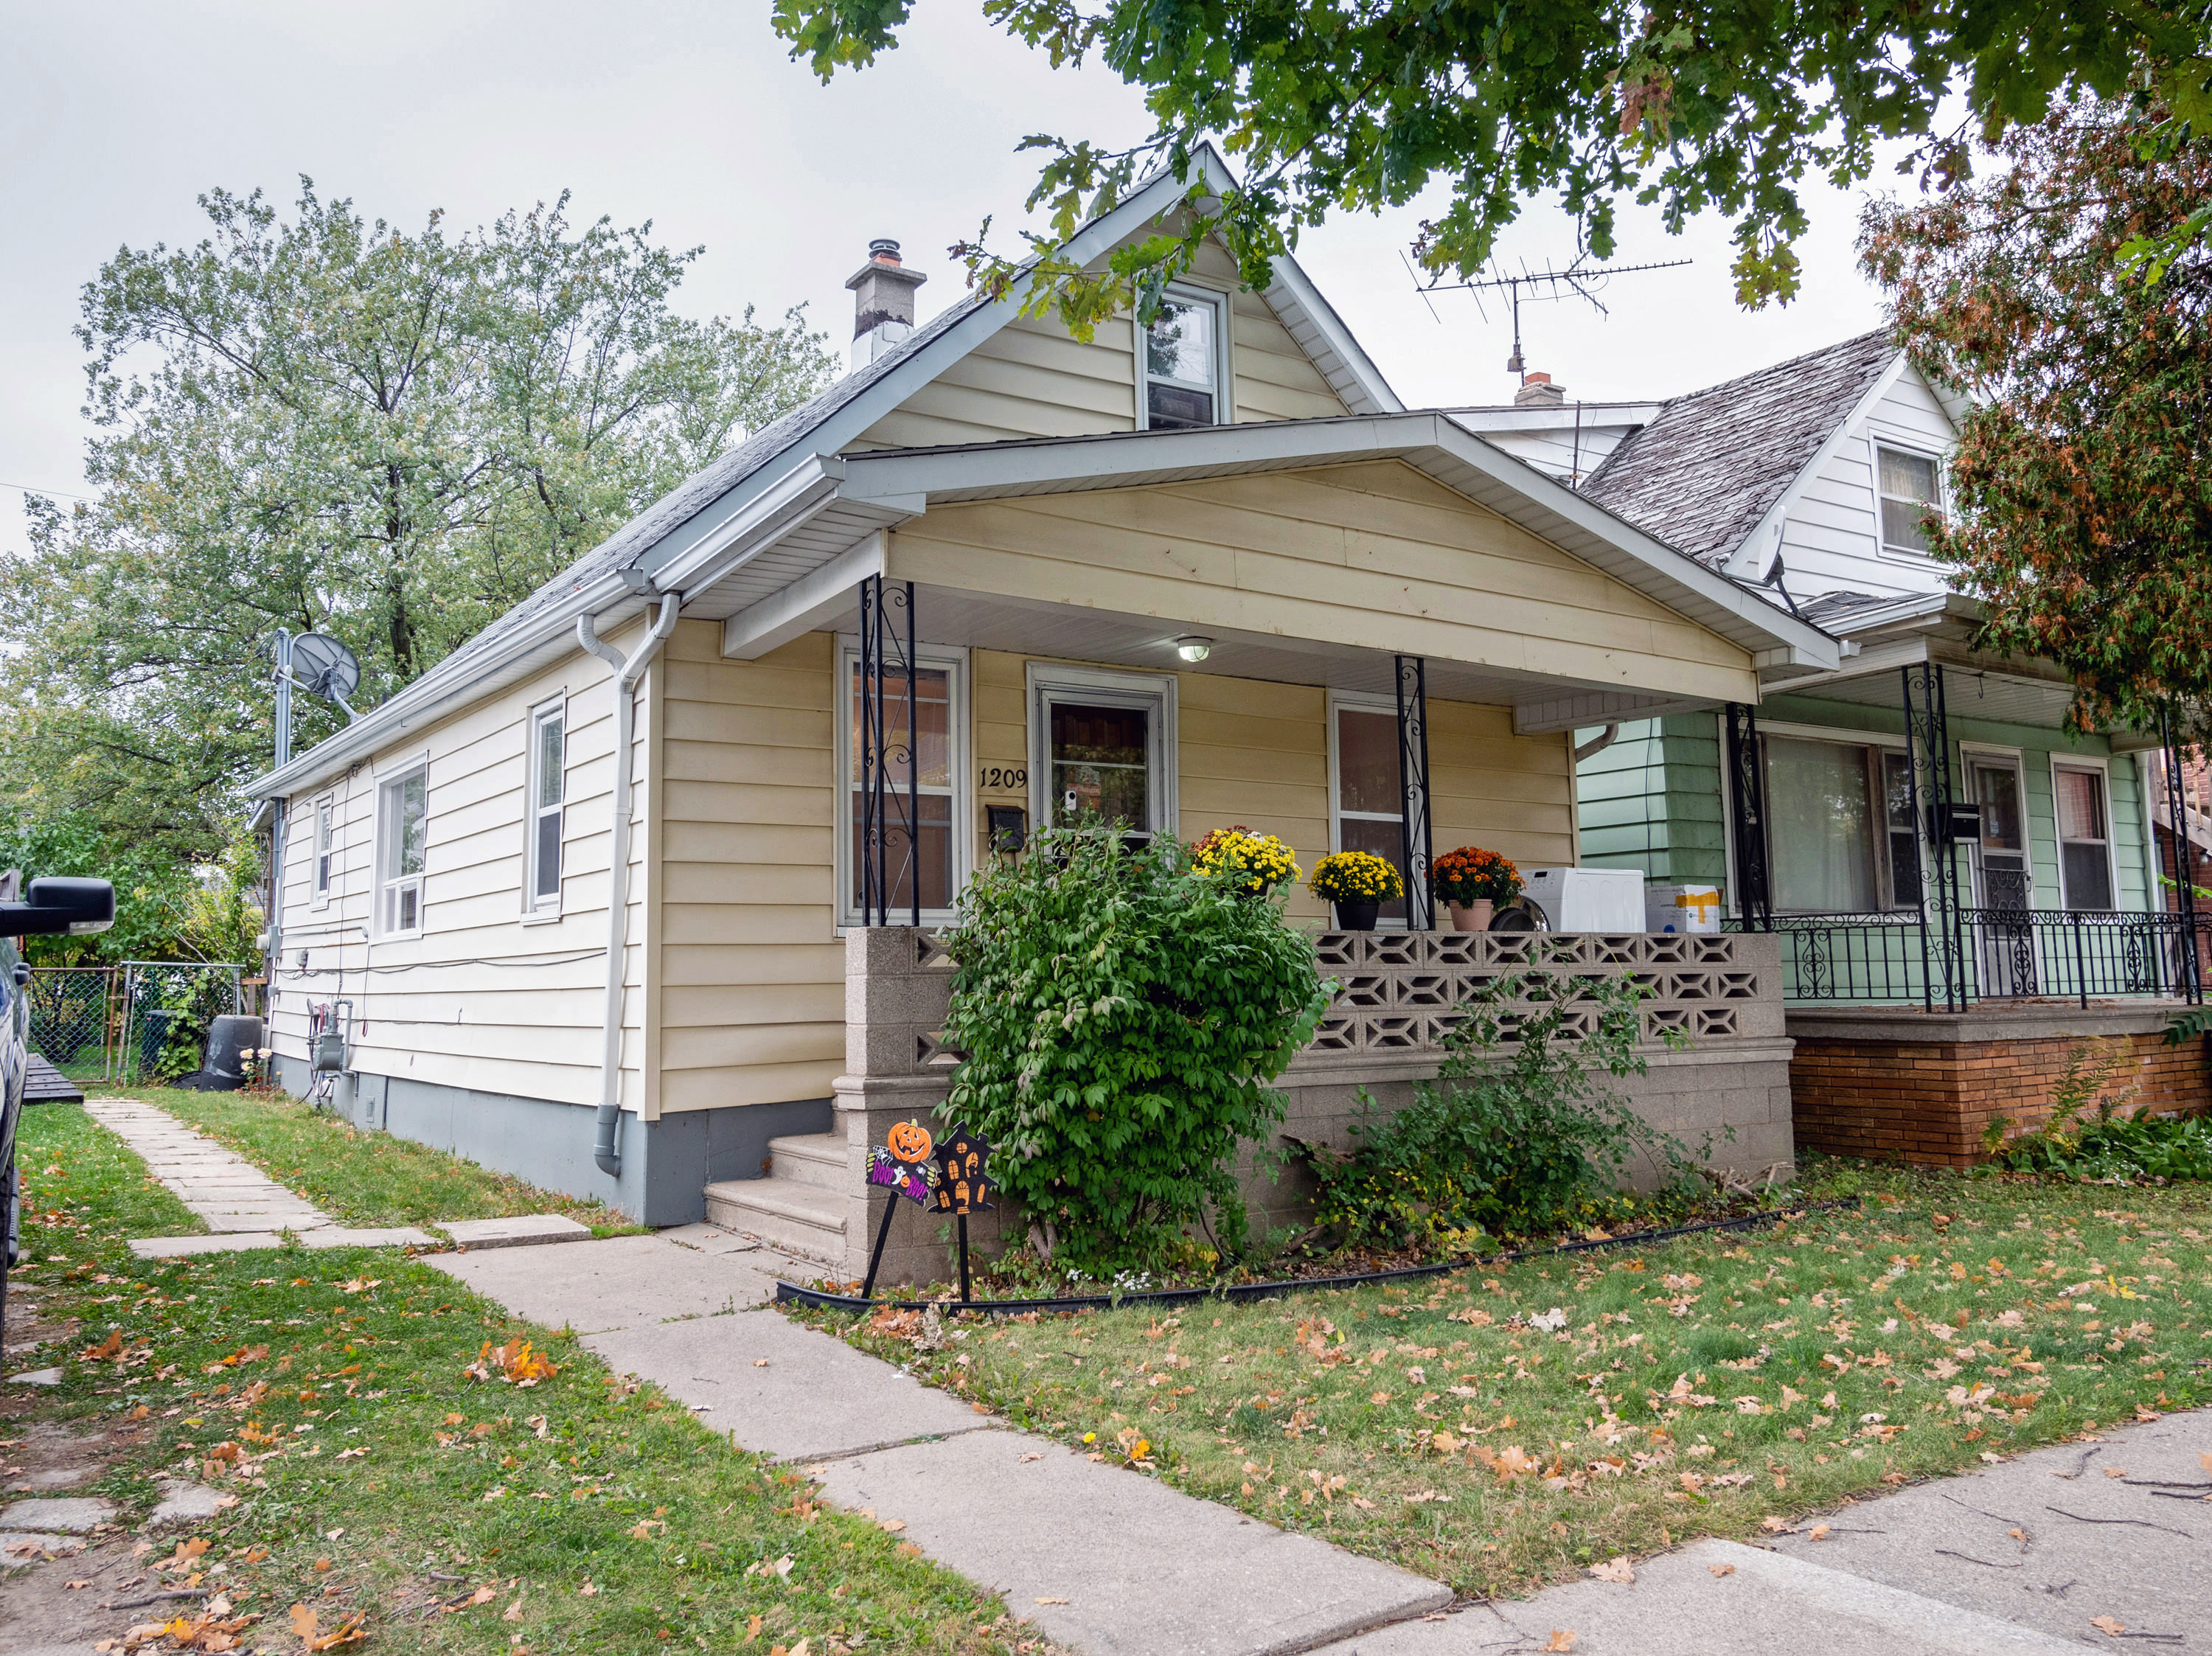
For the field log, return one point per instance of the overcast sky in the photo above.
(114, 117)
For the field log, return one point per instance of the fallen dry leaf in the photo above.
(2116, 1472)
(1028, 1458)
(893, 1526)
(1051, 1601)
(2106, 1624)
(1561, 1639)
(484, 1595)
(1819, 1533)
(760, 1362)
(75, 1586)
(1615, 1569)
(1722, 1569)
(753, 1624)
(512, 1612)
(587, 1591)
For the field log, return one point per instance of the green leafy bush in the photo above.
(2091, 1133)
(1122, 1013)
(1504, 1141)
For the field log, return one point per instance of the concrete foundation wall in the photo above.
(665, 1164)
(1923, 1087)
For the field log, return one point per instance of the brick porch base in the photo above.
(1921, 1087)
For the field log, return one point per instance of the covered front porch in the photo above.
(1966, 896)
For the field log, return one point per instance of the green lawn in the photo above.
(362, 1179)
(1697, 1387)
(376, 1479)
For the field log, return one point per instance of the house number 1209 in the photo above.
(996, 776)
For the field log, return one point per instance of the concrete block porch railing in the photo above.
(1384, 1032)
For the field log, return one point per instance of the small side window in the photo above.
(1181, 366)
(326, 841)
(403, 811)
(548, 788)
(1910, 485)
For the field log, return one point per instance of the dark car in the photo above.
(56, 906)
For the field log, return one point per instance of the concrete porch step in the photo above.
(785, 1214)
(814, 1158)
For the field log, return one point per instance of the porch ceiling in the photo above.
(1018, 626)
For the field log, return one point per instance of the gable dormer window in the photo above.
(1180, 366)
(1911, 485)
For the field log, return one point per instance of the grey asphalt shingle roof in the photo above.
(1703, 474)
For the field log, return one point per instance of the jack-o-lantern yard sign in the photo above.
(948, 1177)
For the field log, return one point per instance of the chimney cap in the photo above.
(884, 247)
(1538, 391)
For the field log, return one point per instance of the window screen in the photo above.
(2085, 863)
(1908, 487)
(1371, 803)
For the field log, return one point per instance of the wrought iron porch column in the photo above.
(1754, 893)
(2184, 854)
(887, 672)
(1413, 791)
(1928, 774)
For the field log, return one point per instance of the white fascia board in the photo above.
(785, 502)
(1117, 460)
(1754, 554)
(803, 605)
(1591, 416)
(1877, 660)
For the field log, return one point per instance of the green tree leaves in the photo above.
(1352, 105)
(324, 423)
(2083, 481)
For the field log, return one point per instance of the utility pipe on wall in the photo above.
(626, 673)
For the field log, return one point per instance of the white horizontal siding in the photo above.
(1832, 538)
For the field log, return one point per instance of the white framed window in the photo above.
(548, 786)
(1840, 836)
(1182, 362)
(325, 852)
(1366, 788)
(403, 812)
(1909, 484)
(2081, 799)
(1101, 748)
(932, 761)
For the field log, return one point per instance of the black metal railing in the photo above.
(2002, 954)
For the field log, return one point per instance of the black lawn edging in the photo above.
(796, 1294)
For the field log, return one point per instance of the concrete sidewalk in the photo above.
(1107, 1560)
(1101, 1560)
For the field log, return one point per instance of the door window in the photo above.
(2000, 856)
(1102, 765)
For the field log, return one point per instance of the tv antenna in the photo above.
(1579, 280)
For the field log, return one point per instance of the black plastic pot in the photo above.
(1356, 917)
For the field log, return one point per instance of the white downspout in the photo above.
(626, 673)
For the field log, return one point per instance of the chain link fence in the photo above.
(75, 1019)
(167, 1007)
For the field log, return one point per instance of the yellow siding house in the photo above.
(1206, 573)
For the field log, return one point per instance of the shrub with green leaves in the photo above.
(1122, 1013)
(1507, 1140)
(2093, 1134)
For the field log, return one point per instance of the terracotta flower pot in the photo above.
(1471, 917)
(1356, 916)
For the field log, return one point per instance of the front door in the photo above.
(2003, 890)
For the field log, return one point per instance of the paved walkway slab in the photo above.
(526, 1230)
(785, 1389)
(1144, 1569)
(227, 1191)
(618, 1281)
(1761, 1602)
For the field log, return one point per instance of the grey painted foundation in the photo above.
(666, 1165)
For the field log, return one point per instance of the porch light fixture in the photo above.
(1193, 649)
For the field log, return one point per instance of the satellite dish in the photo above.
(326, 666)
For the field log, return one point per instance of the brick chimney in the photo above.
(883, 301)
(1537, 392)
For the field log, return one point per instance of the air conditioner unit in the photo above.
(1589, 898)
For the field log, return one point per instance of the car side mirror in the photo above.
(58, 906)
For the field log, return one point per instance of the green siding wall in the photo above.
(1652, 800)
